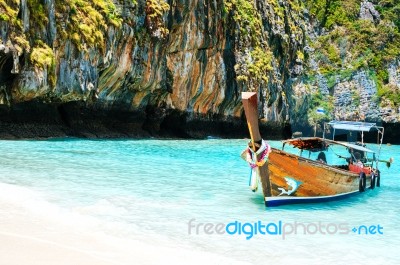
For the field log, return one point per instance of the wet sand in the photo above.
(31, 237)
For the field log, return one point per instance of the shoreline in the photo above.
(39, 120)
(36, 120)
(33, 236)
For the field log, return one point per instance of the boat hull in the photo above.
(277, 201)
(293, 179)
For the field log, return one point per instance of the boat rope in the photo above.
(261, 161)
(251, 157)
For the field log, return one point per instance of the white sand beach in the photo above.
(29, 236)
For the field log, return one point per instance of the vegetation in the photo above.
(37, 19)
(258, 60)
(87, 21)
(332, 13)
(355, 98)
(354, 43)
(8, 13)
(300, 55)
(345, 42)
(260, 64)
(245, 14)
(155, 10)
(317, 101)
(42, 56)
(390, 92)
(83, 22)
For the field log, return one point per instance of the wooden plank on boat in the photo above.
(249, 100)
(314, 178)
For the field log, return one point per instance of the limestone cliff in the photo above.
(176, 68)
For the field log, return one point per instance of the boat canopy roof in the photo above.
(316, 144)
(313, 144)
(353, 125)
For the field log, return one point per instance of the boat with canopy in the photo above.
(312, 169)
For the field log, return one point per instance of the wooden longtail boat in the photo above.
(288, 178)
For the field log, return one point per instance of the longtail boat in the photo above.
(309, 176)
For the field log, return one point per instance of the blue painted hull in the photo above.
(277, 201)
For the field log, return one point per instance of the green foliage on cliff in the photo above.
(9, 13)
(332, 13)
(38, 17)
(155, 10)
(246, 15)
(258, 60)
(390, 10)
(317, 100)
(85, 22)
(391, 93)
(42, 55)
(352, 42)
(260, 64)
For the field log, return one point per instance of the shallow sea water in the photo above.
(150, 190)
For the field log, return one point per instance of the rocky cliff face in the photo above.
(176, 68)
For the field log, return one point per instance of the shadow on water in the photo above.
(258, 200)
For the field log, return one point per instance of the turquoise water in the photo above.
(150, 189)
